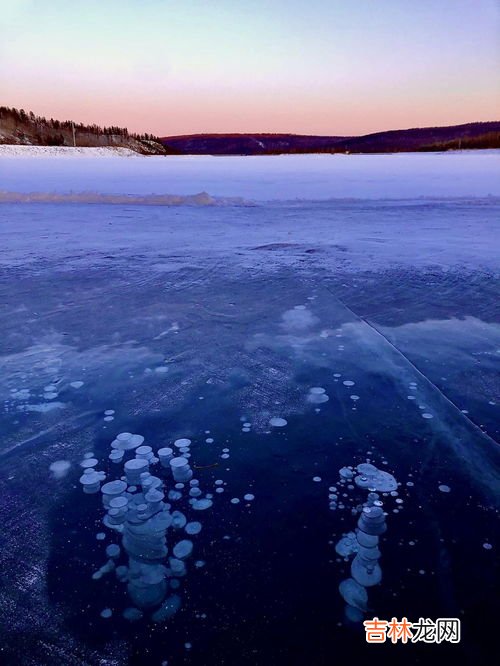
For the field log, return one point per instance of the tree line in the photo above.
(29, 118)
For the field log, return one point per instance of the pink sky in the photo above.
(320, 68)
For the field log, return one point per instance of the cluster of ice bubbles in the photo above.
(317, 395)
(137, 511)
(362, 544)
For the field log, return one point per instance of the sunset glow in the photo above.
(321, 67)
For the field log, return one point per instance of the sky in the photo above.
(336, 67)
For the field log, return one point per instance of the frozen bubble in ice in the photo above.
(106, 613)
(90, 478)
(249, 497)
(354, 397)
(161, 369)
(202, 504)
(346, 473)
(353, 615)
(100, 536)
(109, 412)
(132, 614)
(169, 608)
(365, 573)
(316, 479)
(143, 451)
(126, 441)
(89, 462)
(487, 546)
(134, 468)
(277, 422)
(374, 479)
(444, 489)
(219, 490)
(154, 497)
(195, 492)
(354, 594)
(367, 540)
(317, 390)
(179, 463)
(116, 455)
(177, 566)
(178, 520)
(76, 385)
(193, 528)
(347, 545)
(114, 488)
(317, 398)
(183, 549)
(298, 320)
(181, 443)
(369, 553)
(348, 382)
(373, 527)
(113, 550)
(209, 440)
(122, 573)
(426, 415)
(59, 468)
(118, 502)
(219, 482)
(225, 456)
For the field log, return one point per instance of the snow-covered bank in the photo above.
(285, 177)
(10, 150)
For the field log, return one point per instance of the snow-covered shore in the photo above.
(11, 150)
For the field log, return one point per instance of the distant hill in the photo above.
(249, 144)
(24, 128)
(470, 135)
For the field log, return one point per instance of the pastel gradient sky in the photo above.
(309, 66)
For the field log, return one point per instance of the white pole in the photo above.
(74, 135)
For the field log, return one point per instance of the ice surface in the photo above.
(277, 422)
(402, 175)
(401, 297)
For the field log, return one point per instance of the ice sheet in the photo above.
(282, 177)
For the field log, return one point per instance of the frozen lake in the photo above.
(282, 177)
(343, 310)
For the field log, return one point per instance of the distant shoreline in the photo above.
(111, 152)
(21, 128)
